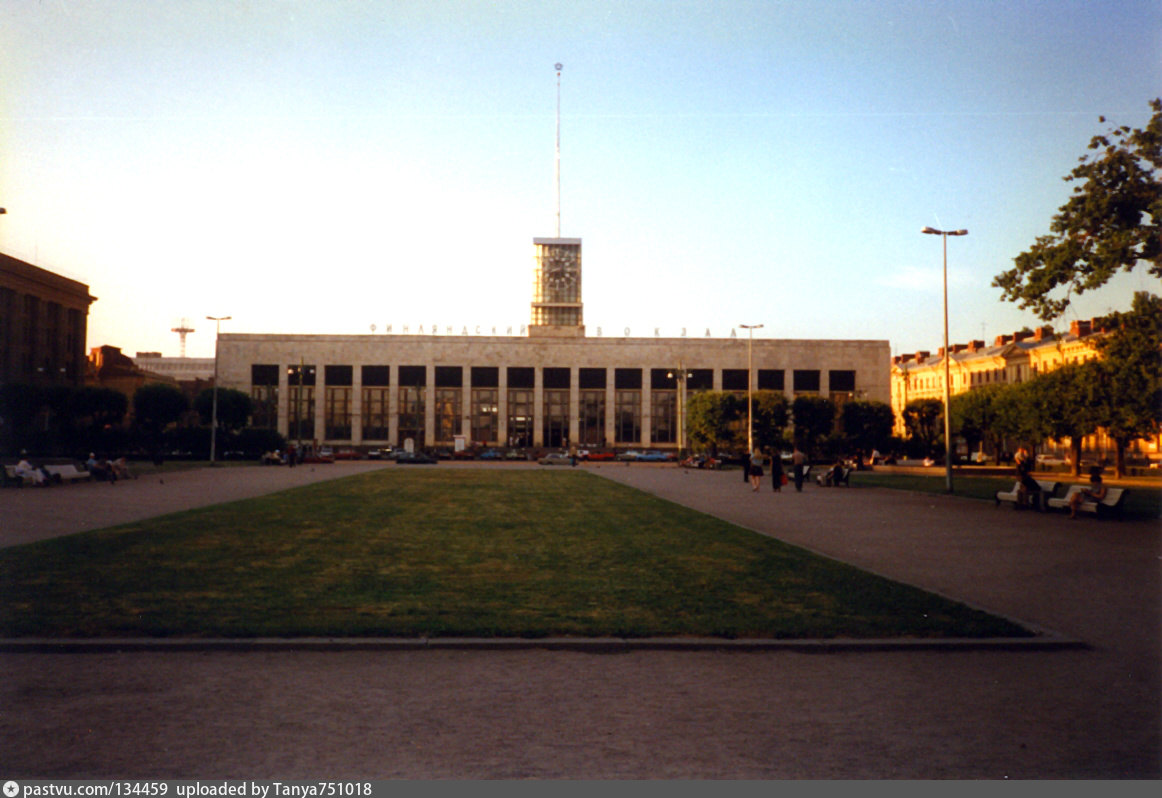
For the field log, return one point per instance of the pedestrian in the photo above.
(756, 469)
(798, 461)
(778, 477)
(27, 469)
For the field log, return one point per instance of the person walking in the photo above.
(756, 469)
(798, 461)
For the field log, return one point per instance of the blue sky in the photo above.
(308, 166)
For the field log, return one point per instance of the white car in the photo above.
(556, 458)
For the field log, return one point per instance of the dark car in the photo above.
(414, 458)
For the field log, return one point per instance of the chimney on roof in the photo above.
(1001, 340)
(1043, 333)
(1080, 328)
(923, 355)
(975, 346)
(956, 348)
(1021, 335)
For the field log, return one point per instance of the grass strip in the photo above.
(442, 552)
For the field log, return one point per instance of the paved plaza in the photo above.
(1078, 712)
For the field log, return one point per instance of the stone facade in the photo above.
(43, 324)
(538, 391)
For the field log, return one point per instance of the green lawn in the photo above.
(441, 552)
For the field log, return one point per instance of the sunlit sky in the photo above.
(306, 166)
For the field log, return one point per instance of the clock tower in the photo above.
(556, 307)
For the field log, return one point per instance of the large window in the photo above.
(591, 418)
(556, 418)
(301, 403)
(337, 418)
(627, 400)
(264, 395)
(770, 379)
(376, 403)
(485, 415)
(520, 417)
(664, 416)
(376, 407)
(413, 381)
(841, 384)
(806, 381)
(337, 408)
(447, 414)
(628, 424)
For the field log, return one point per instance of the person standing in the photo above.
(777, 475)
(798, 461)
(756, 469)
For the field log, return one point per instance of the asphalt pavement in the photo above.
(1079, 711)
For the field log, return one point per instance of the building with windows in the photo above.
(43, 324)
(1011, 359)
(551, 386)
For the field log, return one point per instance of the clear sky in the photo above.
(325, 166)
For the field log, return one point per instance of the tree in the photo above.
(709, 419)
(923, 420)
(771, 413)
(1128, 370)
(974, 415)
(1067, 400)
(814, 418)
(156, 406)
(1111, 223)
(234, 407)
(866, 425)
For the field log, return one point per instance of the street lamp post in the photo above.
(750, 328)
(214, 413)
(944, 234)
(680, 376)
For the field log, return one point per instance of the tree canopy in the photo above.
(1111, 223)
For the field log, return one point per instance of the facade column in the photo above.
(356, 405)
(539, 406)
(393, 407)
(610, 408)
(647, 407)
(574, 406)
(466, 406)
(502, 405)
(283, 404)
(429, 405)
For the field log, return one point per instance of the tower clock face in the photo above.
(560, 270)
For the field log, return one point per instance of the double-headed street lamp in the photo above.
(944, 234)
(750, 328)
(214, 413)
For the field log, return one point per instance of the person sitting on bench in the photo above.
(1094, 493)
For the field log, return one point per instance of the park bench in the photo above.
(67, 473)
(843, 477)
(10, 477)
(1048, 491)
(1111, 505)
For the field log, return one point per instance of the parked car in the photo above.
(629, 456)
(348, 454)
(595, 456)
(700, 461)
(556, 458)
(414, 458)
(379, 454)
(491, 454)
(654, 457)
(515, 454)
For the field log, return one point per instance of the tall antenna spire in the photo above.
(558, 68)
(183, 330)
